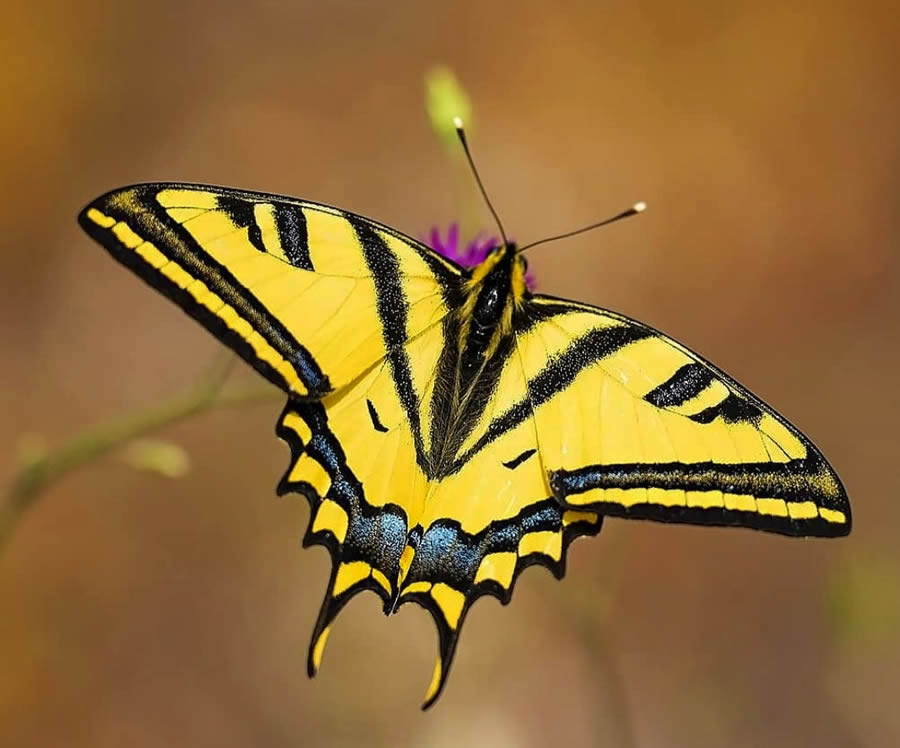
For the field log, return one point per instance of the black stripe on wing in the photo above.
(554, 378)
(289, 222)
(136, 206)
(392, 307)
(686, 383)
(794, 482)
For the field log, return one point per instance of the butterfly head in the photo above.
(503, 270)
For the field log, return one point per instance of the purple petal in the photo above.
(453, 238)
(433, 240)
(472, 254)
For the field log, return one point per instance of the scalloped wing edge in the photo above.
(351, 574)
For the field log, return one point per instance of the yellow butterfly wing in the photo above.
(348, 316)
(299, 290)
(407, 524)
(592, 414)
(359, 457)
(633, 424)
(487, 511)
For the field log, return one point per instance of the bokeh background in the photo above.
(144, 611)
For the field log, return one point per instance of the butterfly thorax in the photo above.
(496, 288)
(482, 331)
(482, 315)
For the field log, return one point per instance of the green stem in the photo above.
(39, 473)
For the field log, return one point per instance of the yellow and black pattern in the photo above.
(289, 285)
(447, 427)
(402, 522)
(689, 445)
(450, 568)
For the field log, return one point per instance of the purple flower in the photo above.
(470, 255)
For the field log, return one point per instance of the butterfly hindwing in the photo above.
(408, 525)
(631, 423)
(488, 512)
(307, 294)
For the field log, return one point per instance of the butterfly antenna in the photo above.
(632, 211)
(458, 124)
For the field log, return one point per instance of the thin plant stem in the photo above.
(38, 473)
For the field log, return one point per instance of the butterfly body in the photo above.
(475, 332)
(448, 427)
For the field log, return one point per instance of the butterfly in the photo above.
(447, 426)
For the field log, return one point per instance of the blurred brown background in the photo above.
(141, 611)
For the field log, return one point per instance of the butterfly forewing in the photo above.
(664, 435)
(291, 286)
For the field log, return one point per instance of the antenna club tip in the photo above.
(640, 207)
(458, 123)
